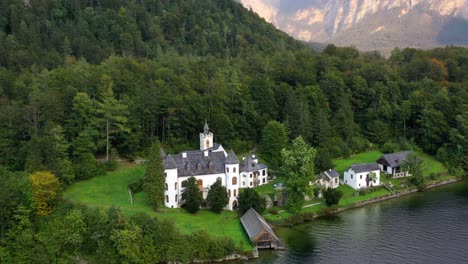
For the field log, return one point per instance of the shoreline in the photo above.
(307, 217)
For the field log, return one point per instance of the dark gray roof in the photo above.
(358, 168)
(249, 165)
(333, 173)
(394, 159)
(254, 224)
(232, 158)
(169, 162)
(329, 174)
(196, 163)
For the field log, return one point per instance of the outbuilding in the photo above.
(259, 232)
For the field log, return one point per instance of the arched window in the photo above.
(234, 181)
(229, 193)
(165, 186)
(227, 169)
(176, 198)
(175, 186)
(200, 183)
(207, 143)
(235, 192)
(167, 199)
(234, 169)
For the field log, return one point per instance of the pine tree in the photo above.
(274, 139)
(113, 112)
(249, 198)
(217, 197)
(192, 196)
(154, 178)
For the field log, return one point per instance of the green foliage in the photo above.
(154, 178)
(332, 196)
(249, 198)
(192, 196)
(274, 139)
(298, 170)
(415, 166)
(217, 197)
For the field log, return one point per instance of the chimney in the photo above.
(184, 155)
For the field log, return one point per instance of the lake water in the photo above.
(429, 227)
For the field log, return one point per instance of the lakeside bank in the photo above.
(304, 217)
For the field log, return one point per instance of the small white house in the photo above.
(393, 164)
(361, 176)
(328, 179)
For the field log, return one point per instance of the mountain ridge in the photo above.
(338, 21)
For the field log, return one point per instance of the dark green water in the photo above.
(429, 227)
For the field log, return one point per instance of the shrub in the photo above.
(332, 196)
(136, 186)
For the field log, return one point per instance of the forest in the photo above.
(82, 81)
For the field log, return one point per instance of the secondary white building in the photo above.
(328, 179)
(361, 176)
(210, 164)
(393, 164)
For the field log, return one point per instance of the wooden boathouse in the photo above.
(259, 232)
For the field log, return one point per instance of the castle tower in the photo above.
(206, 138)
(171, 189)
(232, 179)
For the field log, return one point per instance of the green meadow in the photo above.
(111, 190)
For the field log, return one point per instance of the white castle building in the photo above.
(210, 164)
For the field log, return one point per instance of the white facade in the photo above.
(231, 175)
(360, 180)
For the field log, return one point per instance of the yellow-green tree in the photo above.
(47, 190)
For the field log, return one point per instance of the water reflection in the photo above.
(430, 227)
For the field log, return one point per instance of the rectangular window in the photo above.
(360, 177)
(264, 172)
(250, 183)
(351, 176)
(263, 180)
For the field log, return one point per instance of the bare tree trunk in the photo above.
(107, 140)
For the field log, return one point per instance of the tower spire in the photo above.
(206, 129)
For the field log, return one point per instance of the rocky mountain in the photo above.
(369, 24)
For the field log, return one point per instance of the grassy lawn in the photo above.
(111, 190)
(431, 165)
(349, 197)
(268, 188)
(365, 157)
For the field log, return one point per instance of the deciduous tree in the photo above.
(298, 167)
(47, 191)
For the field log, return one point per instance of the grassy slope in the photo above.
(365, 157)
(111, 190)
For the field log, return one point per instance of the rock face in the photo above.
(369, 24)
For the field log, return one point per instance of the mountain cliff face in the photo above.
(369, 24)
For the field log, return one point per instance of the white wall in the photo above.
(171, 192)
(358, 180)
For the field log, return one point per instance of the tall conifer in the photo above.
(154, 179)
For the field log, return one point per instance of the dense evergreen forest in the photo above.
(83, 78)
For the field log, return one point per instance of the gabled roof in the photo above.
(358, 168)
(197, 163)
(169, 162)
(394, 159)
(254, 224)
(332, 173)
(250, 164)
(232, 158)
